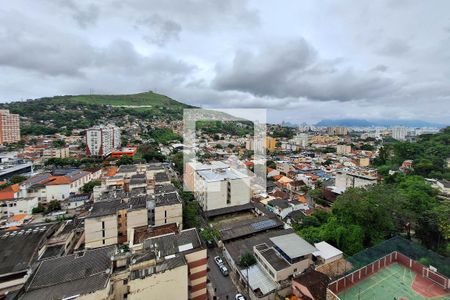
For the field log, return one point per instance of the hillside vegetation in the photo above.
(63, 113)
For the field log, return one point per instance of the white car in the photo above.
(223, 270)
(218, 260)
(239, 297)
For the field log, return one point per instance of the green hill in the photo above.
(62, 113)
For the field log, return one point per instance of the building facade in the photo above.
(102, 140)
(9, 127)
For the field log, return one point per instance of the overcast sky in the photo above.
(304, 60)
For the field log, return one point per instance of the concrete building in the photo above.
(58, 185)
(399, 133)
(170, 266)
(301, 140)
(280, 254)
(167, 206)
(346, 180)
(55, 153)
(102, 140)
(343, 149)
(221, 188)
(327, 253)
(111, 222)
(337, 130)
(271, 143)
(11, 207)
(9, 127)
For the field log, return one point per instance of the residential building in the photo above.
(280, 254)
(346, 180)
(102, 140)
(301, 140)
(84, 275)
(55, 153)
(343, 149)
(9, 127)
(327, 253)
(311, 285)
(271, 143)
(59, 185)
(15, 206)
(221, 188)
(167, 206)
(399, 133)
(186, 244)
(337, 130)
(111, 222)
(19, 250)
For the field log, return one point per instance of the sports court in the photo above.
(395, 282)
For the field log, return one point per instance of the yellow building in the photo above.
(271, 143)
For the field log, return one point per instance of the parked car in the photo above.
(223, 270)
(218, 260)
(239, 297)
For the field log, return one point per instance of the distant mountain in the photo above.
(374, 123)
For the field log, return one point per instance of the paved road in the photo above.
(223, 286)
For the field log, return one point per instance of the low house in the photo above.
(327, 253)
(311, 285)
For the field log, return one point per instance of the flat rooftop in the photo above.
(222, 174)
(293, 245)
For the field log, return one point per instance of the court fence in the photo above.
(356, 276)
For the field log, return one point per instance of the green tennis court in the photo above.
(392, 282)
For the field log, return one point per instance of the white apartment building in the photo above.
(101, 140)
(399, 133)
(16, 206)
(221, 188)
(9, 127)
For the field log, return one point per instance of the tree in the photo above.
(17, 179)
(191, 214)
(89, 186)
(54, 205)
(124, 160)
(247, 260)
(58, 143)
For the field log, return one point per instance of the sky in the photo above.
(302, 60)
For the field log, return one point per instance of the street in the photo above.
(222, 285)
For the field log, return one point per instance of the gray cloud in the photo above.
(369, 60)
(294, 69)
(394, 47)
(160, 31)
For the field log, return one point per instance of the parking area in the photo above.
(222, 285)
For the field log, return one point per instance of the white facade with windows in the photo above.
(102, 140)
(220, 188)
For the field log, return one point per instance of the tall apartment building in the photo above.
(102, 140)
(9, 127)
(399, 133)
